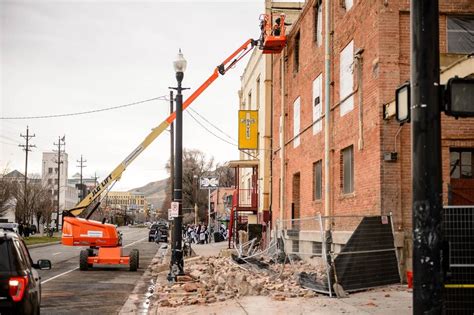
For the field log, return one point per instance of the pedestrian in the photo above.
(202, 235)
(206, 235)
(20, 228)
(26, 231)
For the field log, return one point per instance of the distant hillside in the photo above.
(154, 192)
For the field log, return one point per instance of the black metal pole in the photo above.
(426, 158)
(172, 155)
(178, 193)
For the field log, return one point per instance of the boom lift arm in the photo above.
(222, 69)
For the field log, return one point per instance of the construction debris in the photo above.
(215, 279)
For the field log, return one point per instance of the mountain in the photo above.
(154, 192)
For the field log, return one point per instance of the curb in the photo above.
(43, 244)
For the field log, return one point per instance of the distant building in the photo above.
(127, 201)
(68, 193)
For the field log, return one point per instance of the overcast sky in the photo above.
(61, 57)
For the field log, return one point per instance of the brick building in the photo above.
(369, 59)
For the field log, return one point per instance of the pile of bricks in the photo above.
(215, 279)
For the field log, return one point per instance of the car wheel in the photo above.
(134, 260)
(83, 265)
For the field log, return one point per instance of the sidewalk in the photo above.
(396, 300)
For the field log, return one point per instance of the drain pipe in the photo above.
(327, 109)
(358, 60)
(282, 136)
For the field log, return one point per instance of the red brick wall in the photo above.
(381, 28)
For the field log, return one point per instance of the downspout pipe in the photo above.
(282, 136)
(327, 109)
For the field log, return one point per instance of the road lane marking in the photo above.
(57, 276)
(57, 253)
(69, 271)
(140, 240)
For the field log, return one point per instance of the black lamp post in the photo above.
(177, 262)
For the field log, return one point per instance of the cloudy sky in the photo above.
(65, 57)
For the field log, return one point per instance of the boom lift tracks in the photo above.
(103, 240)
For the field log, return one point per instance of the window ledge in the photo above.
(317, 202)
(347, 196)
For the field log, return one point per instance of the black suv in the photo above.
(20, 284)
(158, 233)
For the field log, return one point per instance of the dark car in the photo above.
(158, 233)
(20, 283)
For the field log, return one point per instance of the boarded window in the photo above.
(346, 79)
(347, 4)
(317, 106)
(460, 34)
(318, 23)
(296, 122)
(347, 170)
(317, 180)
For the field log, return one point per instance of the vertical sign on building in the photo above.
(248, 129)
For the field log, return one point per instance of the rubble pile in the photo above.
(215, 279)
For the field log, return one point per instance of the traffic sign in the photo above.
(174, 211)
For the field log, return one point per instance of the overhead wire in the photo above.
(163, 98)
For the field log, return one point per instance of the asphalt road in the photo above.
(101, 290)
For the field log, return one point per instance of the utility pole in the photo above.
(61, 141)
(26, 147)
(426, 155)
(81, 166)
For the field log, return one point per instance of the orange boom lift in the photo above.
(103, 240)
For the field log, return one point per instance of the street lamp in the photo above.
(177, 263)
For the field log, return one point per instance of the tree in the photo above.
(6, 194)
(226, 175)
(195, 166)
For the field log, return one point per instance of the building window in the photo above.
(346, 79)
(317, 106)
(460, 34)
(317, 180)
(296, 122)
(317, 247)
(56, 170)
(50, 181)
(318, 23)
(55, 192)
(296, 246)
(50, 170)
(461, 163)
(296, 53)
(347, 168)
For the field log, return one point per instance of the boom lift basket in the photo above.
(273, 35)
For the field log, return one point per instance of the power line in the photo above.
(161, 98)
(210, 123)
(212, 133)
(233, 144)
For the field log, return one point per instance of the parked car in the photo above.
(9, 226)
(33, 229)
(20, 283)
(158, 233)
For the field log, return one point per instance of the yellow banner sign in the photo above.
(248, 129)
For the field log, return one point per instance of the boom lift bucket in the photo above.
(273, 35)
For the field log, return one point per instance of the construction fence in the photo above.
(338, 254)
